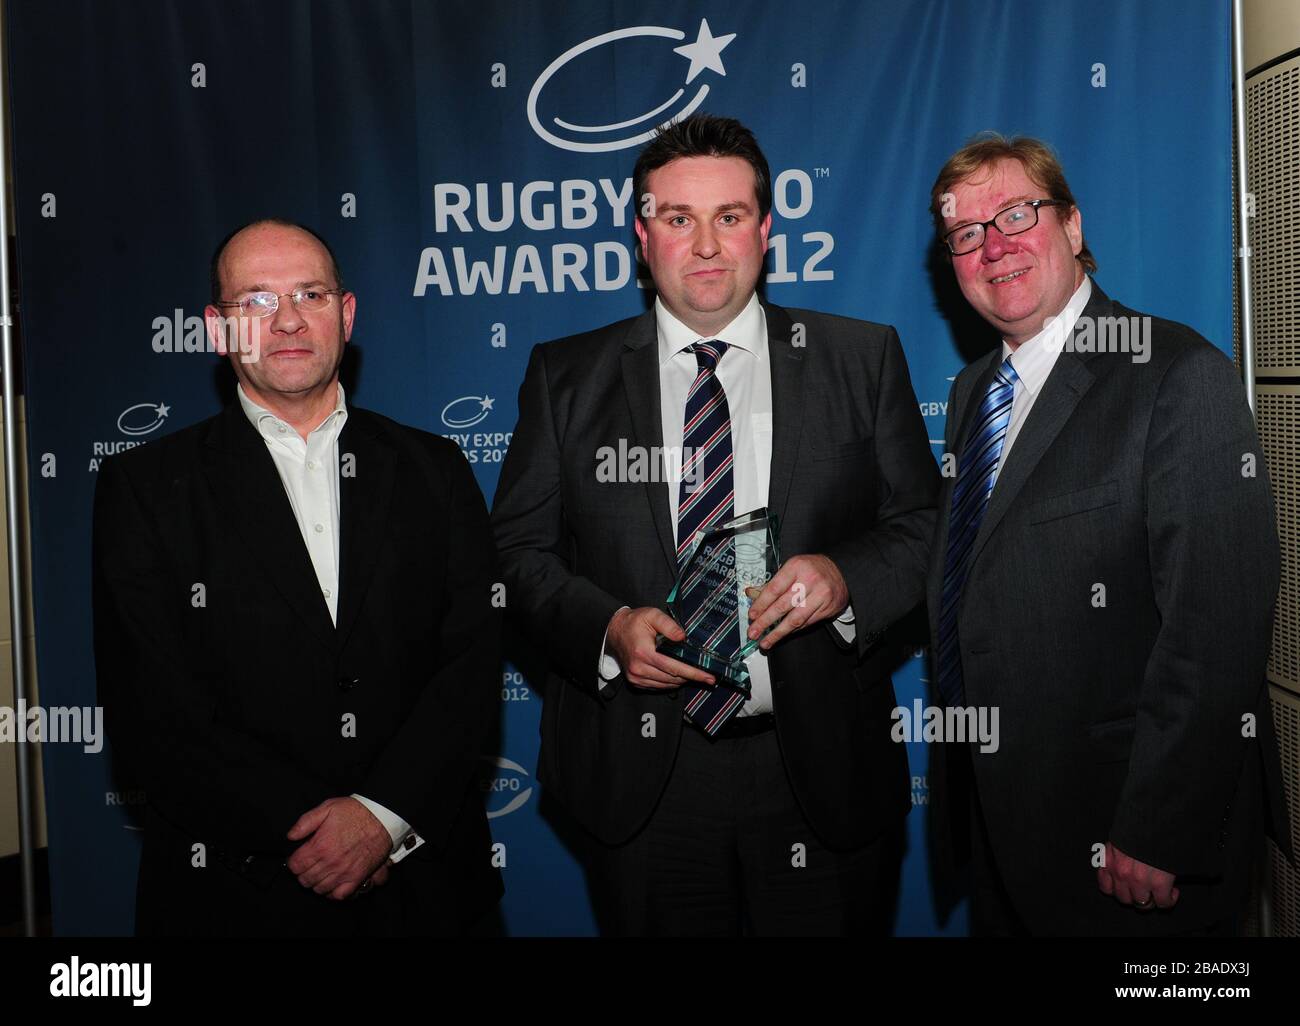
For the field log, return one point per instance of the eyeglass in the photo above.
(263, 304)
(967, 238)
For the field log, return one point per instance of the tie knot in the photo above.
(1006, 374)
(707, 354)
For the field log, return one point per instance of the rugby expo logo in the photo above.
(573, 106)
(505, 785)
(705, 54)
(467, 411)
(135, 422)
(142, 418)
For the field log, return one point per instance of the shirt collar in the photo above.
(264, 420)
(747, 332)
(1034, 359)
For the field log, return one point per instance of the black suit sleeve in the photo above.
(563, 612)
(218, 784)
(1215, 570)
(426, 768)
(885, 565)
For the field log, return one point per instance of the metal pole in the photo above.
(1243, 209)
(1264, 911)
(14, 500)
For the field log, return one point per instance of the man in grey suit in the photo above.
(780, 814)
(1103, 575)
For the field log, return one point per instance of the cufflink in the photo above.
(408, 845)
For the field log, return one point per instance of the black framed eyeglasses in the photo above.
(263, 304)
(1013, 220)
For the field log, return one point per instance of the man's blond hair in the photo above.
(1035, 156)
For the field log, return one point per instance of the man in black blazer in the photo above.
(1103, 574)
(295, 638)
(782, 815)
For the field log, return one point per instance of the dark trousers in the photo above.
(728, 853)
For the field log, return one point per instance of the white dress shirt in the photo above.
(1034, 360)
(309, 471)
(745, 373)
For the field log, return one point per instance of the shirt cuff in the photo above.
(398, 829)
(607, 669)
(844, 623)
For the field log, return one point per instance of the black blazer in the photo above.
(851, 477)
(225, 683)
(1121, 712)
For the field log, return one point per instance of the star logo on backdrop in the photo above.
(467, 411)
(142, 418)
(705, 52)
(617, 129)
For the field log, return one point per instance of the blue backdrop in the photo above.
(470, 163)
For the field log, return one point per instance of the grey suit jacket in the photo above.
(1118, 613)
(852, 477)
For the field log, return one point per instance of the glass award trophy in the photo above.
(726, 568)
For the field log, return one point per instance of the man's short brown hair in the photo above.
(1035, 156)
(703, 135)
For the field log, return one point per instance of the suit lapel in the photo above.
(249, 486)
(366, 472)
(1067, 383)
(787, 365)
(641, 385)
(973, 401)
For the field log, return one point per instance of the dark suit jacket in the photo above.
(851, 477)
(1121, 714)
(227, 702)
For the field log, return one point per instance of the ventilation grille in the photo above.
(1285, 879)
(1277, 411)
(1236, 244)
(1273, 177)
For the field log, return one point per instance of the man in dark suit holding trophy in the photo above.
(777, 809)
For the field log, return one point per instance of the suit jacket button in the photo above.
(348, 683)
(777, 685)
(672, 695)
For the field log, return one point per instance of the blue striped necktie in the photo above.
(706, 498)
(976, 471)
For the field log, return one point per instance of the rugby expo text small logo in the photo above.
(705, 54)
(507, 789)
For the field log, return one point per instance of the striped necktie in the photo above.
(976, 472)
(706, 498)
